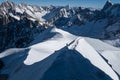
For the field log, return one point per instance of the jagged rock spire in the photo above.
(8, 4)
(107, 5)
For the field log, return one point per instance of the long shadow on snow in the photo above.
(71, 65)
(44, 36)
(64, 64)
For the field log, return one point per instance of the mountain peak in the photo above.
(7, 4)
(107, 5)
(67, 6)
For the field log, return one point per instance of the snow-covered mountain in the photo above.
(33, 19)
(62, 55)
(59, 42)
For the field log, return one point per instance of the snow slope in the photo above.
(92, 55)
(89, 29)
(71, 65)
(16, 17)
(48, 47)
(110, 53)
(113, 58)
(57, 56)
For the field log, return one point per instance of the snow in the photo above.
(114, 42)
(29, 12)
(71, 65)
(110, 53)
(115, 11)
(89, 29)
(72, 54)
(10, 52)
(114, 27)
(30, 7)
(64, 12)
(113, 59)
(90, 53)
(17, 9)
(50, 48)
(39, 15)
(16, 17)
(100, 45)
(42, 50)
(32, 19)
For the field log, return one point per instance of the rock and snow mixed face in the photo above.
(67, 53)
(91, 22)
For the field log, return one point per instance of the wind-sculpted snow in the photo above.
(113, 59)
(72, 65)
(32, 19)
(61, 56)
(110, 53)
(59, 42)
(84, 48)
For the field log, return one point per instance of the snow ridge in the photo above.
(62, 47)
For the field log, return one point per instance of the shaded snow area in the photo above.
(114, 27)
(59, 40)
(59, 55)
(115, 42)
(89, 29)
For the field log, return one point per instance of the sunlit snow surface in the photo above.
(36, 60)
(42, 50)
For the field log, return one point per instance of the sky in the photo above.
(83, 3)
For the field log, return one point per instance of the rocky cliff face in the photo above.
(16, 29)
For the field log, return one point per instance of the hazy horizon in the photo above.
(83, 3)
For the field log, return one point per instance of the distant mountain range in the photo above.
(27, 20)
